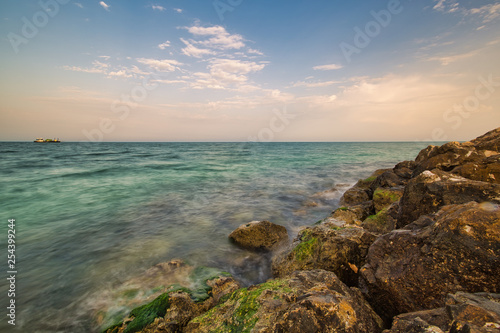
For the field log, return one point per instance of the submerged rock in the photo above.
(340, 250)
(457, 249)
(306, 301)
(259, 235)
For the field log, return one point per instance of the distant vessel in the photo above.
(47, 140)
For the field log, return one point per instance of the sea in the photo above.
(91, 216)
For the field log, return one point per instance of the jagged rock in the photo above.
(488, 141)
(306, 301)
(431, 190)
(340, 250)
(486, 170)
(388, 179)
(384, 221)
(464, 312)
(457, 249)
(259, 235)
(361, 191)
(404, 169)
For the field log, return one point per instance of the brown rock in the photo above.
(464, 312)
(486, 170)
(340, 250)
(307, 301)
(259, 235)
(431, 190)
(384, 197)
(488, 141)
(413, 269)
(384, 221)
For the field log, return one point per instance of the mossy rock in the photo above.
(383, 197)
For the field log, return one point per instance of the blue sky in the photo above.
(238, 70)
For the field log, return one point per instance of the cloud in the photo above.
(487, 12)
(121, 73)
(446, 60)
(327, 67)
(84, 70)
(104, 5)
(314, 84)
(227, 74)
(165, 65)
(257, 52)
(78, 4)
(220, 38)
(178, 10)
(105, 57)
(192, 51)
(163, 46)
(158, 7)
(448, 6)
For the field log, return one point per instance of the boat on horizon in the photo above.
(41, 140)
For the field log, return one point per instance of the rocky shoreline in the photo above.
(415, 249)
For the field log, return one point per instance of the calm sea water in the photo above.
(92, 215)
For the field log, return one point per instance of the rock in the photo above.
(388, 179)
(488, 141)
(429, 191)
(404, 169)
(306, 301)
(177, 305)
(354, 214)
(384, 221)
(463, 313)
(259, 235)
(340, 250)
(354, 196)
(486, 170)
(457, 249)
(384, 197)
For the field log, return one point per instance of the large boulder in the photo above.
(412, 269)
(340, 250)
(259, 235)
(306, 301)
(463, 313)
(429, 191)
(488, 141)
(486, 170)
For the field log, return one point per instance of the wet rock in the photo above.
(259, 235)
(429, 191)
(463, 312)
(404, 169)
(457, 249)
(306, 301)
(354, 214)
(340, 250)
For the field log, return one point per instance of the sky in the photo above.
(241, 70)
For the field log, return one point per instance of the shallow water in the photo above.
(90, 216)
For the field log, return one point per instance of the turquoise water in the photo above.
(92, 215)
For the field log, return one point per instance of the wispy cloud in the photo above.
(327, 67)
(163, 46)
(487, 12)
(315, 84)
(446, 60)
(178, 10)
(104, 5)
(219, 38)
(448, 6)
(158, 7)
(192, 51)
(78, 4)
(165, 65)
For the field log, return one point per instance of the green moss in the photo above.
(369, 179)
(319, 222)
(246, 306)
(200, 275)
(146, 314)
(305, 249)
(343, 208)
(378, 219)
(386, 195)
